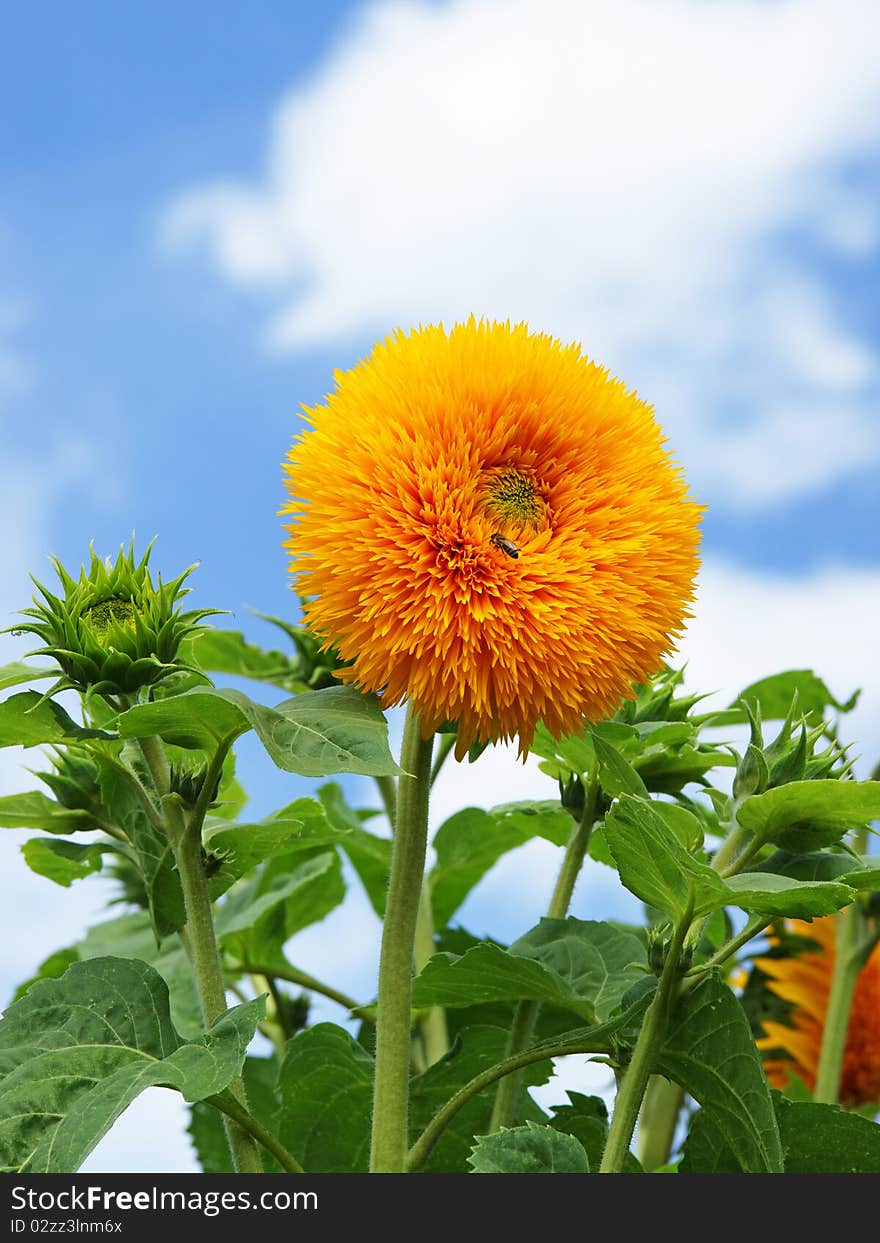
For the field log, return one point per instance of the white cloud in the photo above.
(621, 172)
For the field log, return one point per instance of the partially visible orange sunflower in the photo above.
(488, 524)
(804, 980)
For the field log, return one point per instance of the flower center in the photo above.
(513, 501)
(117, 611)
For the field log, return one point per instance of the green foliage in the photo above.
(112, 630)
(141, 785)
(34, 810)
(529, 1149)
(774, 695)
(816, 1139)
(27, 720)
(806, 815)
(656, 867)
(710, 1051)
(18, 673)
(75, 1052)
(62, 861)
(314, 734)
(469, 843)
(206, 1131)
(581, 966)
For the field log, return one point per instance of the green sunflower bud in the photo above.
(572, 796)
(112, 631)
(74, 781)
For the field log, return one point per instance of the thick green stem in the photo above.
(727, 856)
(433, 1037)
(391, 1092)
(187, 847)
(631, 1092)
(526, 1013)
(234, 1110)
(659, 1118)
(847, 964)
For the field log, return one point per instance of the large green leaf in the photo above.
(656, 868)
(326, 1087)
(228, 651)
(774, 694)
(472, 841)
(806, 814)
(816, 1139)
(34, 810)
(337, 730)
(75, 1052)
(63, 861)
(262, 912)
(824, 1139)
(132, 936)
(710, 1051)
(17, 673)
(26, 721)
(473, 1051)
(580, 965)
(529, 1149)
(239, 848)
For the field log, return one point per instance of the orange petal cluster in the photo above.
(487, 524)
(804, 979)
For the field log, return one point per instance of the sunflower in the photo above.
(487, 524)
(803, 979)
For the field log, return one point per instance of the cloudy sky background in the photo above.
(206, 209)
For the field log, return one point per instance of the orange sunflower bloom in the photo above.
(487, 524)
(804, 980)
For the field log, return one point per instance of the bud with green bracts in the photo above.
(112, 631)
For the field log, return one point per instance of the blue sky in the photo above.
(205, 209)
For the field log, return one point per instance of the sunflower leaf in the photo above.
(239, 848)
(816, 1139)
(710, 1051)
(76, 1051)
(63, 861)
(529, 1149)
(805, 814)
(26, 720)
(314, 734)
(775, 694)
(655, 866)
(228, 651)
(469, 843)
(582, 966)
(17, 673)
(34, 810)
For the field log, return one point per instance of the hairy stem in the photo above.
(526, 1013)
(187, 847)
(433, 1038)
(631, 1092)
(596, 1040)
(391, 1091)
(294, 976)
(244, 1121)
